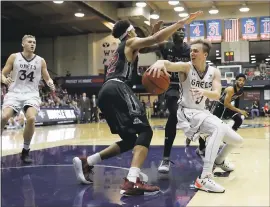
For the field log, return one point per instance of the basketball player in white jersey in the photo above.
(200, 81)
(26, 69)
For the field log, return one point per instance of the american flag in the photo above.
(231, 30)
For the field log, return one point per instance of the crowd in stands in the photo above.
(261, 72)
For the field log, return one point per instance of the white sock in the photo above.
(93, 159)
(133, 174)
(26, 146)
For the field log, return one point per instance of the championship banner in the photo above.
(55, 116)
(197, 30)
(170, 23)
(249, 28)
(265, 28)
(213, 28)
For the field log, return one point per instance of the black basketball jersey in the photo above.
(173, 54)
(236, 94)
(119, 67)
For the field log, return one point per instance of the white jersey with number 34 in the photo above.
(26, 74)
(194, 80)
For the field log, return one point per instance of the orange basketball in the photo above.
(155, 85)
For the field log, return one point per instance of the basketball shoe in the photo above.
(82, 170)
(208, 184)
(25, 156)
(164, 166)
(139, 188)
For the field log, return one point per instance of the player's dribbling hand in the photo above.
(156, 69)
(190, 17)
(8, 81)
(245, 113)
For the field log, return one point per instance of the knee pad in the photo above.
(126, 145)
(238, 120)
(145, 137)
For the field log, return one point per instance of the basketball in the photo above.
(155, 85)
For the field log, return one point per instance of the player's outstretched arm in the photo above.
(228, 100)
(165, 65)
(162, 35)
(46, 75)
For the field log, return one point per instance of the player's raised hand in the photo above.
(156, 26)
(156, 69)
(190, 17)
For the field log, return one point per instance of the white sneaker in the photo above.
(164, 166)
(208, 185)
(226, 166)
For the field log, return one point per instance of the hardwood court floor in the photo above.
(248, 185)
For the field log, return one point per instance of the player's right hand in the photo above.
(8, 81)
(190, 17)
(156, 69)
(245, 113)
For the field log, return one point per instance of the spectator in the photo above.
(156, 107)
(266, 110)
(262, 67)
(85, 108)
(94, 109)
(255, 108)
(148, 109)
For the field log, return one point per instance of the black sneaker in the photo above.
(25, 156)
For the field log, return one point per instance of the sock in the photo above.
(133, 174)
(93, 159)
(26, 146)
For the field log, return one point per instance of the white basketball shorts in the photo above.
(190, 121)
(17, 101)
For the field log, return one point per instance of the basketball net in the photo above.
(229, 80)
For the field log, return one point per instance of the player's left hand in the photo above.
(197, 92)
(51, 85)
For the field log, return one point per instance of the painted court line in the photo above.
(144, 176)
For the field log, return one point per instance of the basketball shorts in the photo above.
(18, 101)
(221, 112)
(173, 91)
(121, 108)
(190, 121)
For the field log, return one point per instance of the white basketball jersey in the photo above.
(194, 80)
(26, 74)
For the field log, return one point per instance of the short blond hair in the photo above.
(28, 36)
(206, 44)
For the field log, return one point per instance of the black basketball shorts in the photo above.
(122, 109)
(221, 112)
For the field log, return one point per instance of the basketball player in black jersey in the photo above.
(224, 107)
(174, 51)
(123, 111)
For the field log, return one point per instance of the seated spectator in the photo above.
(255, 109)
(257, 74)
(266, 110)
(262, 67)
